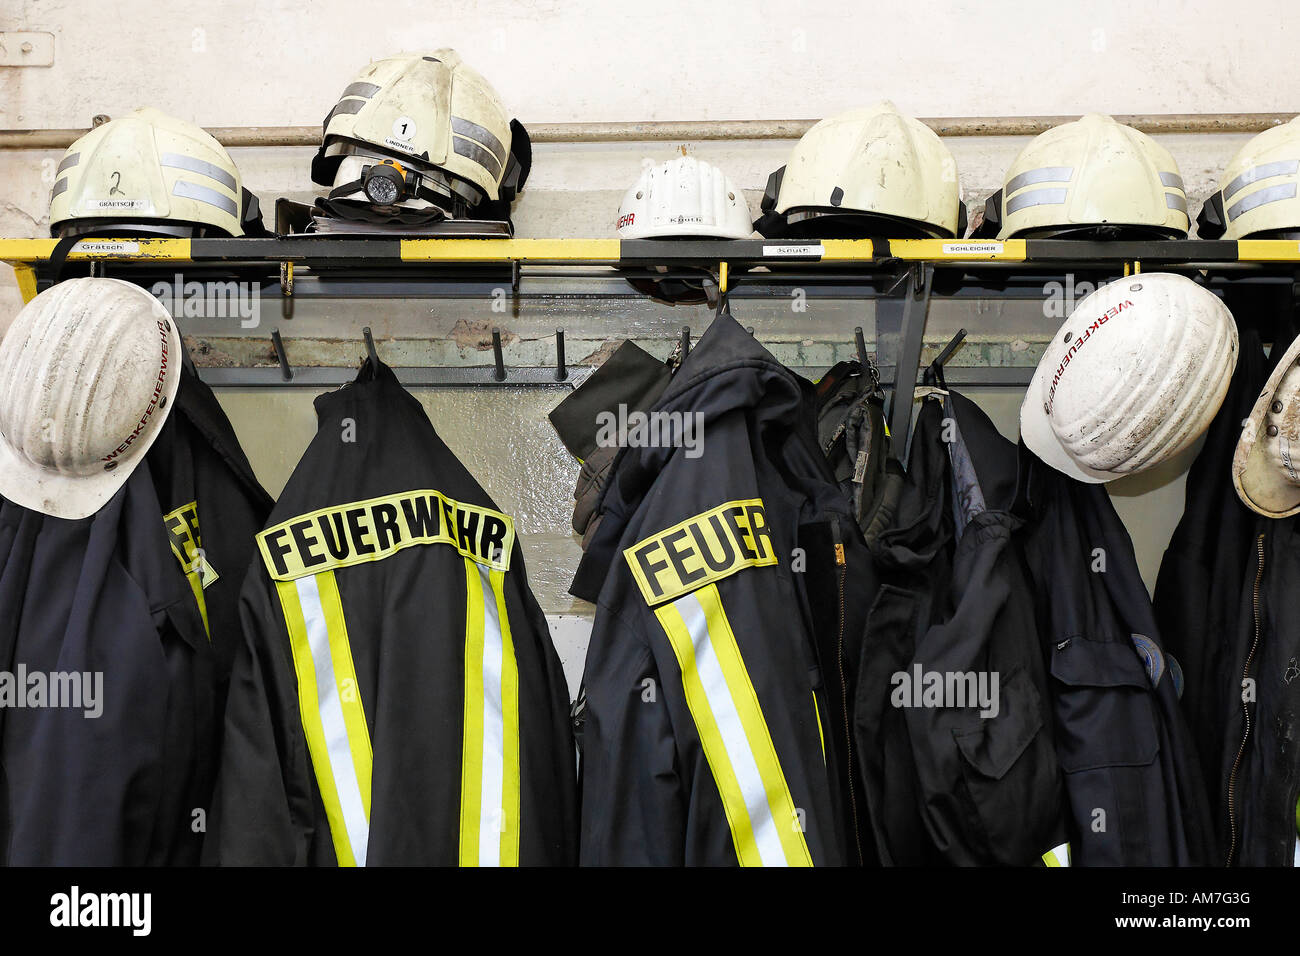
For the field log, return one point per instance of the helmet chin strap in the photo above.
(356, 210)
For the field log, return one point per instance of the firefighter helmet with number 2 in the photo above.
(149, 173)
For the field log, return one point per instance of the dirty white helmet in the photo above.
(88, 374)
(437, 119)
(1266, 463)
(868, 172)
(684, 197)
(1260, 199)
(148, 173)
(1091, 178)
(1131, 378)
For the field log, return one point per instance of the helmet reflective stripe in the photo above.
(1262, 197)
(177, 161)
(59, 188)
(68, 162)
(1172, 179)
(1175, 201)
(363, 90)
(1266, 171)
(463, 127)
(188, 190)
(474, 151)
(1048, 174)
(1037, 197)
(345, 106)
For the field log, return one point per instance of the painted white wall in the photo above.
(249, 62)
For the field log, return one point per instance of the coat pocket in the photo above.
(1012, 785)
(1104, 713)
(1108, 743)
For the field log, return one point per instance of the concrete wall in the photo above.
(241, 63)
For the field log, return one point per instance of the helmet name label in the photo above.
(402, 145)
(118, 205)
(701, 550)
(362, 531)
(1079, 341)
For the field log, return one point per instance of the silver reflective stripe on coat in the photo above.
(1046, 174)
(731, 728)
(333, 724)
(1037, 197)
(464, 127)
(1262, 198)
(203, 168)
(1286, 167)
(1175, 201)
(68, 161)
(188, 190)
(475, 152)
(1173, 180)
(59, 187)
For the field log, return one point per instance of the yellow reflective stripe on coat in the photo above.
(333, 718)
(1057, 856)
(765, 826)
(821, 734)
(489, 786)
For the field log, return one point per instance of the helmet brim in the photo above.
(1260, 485)
(1040, 437)
(74, 497)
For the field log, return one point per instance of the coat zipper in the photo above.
(1245, 707)
(843, 567)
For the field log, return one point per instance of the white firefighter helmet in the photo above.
(435, 119)
(868, 172)
(684, 197)
(150, 173)
(1091, 177)
(88, 374)
(1259, 198)
(1266, 463)
(1131, 378)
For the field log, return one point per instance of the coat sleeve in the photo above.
(633, 805)
(262, 809)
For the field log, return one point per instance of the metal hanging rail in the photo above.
(700, 131)
(901, 276)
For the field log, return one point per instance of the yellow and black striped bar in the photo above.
(322, 252)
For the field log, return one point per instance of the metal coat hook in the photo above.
(861, 343)
(685, 341)
(370, 345)
(561, 369)
(934, 371)
(278, 344)
(499, 374)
